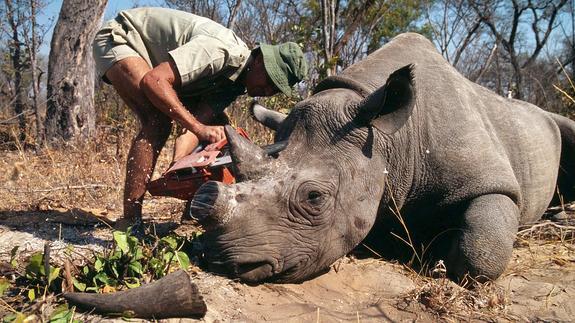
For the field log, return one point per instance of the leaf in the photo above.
(139, 254)
(35, 267)
(170, 241)
(133, 243)
(156, 265)
(115, 256)
(136, 267)
(183, 260)
(103, 278)
(62, 314)
(9, 318)
(31, 294)
(13, 260)
(98, 265)
(16, 317)
(136, 282)
(4, 285)
(54, 273)
(121, 241)
(114, 268)
(168, 257)
(79, 286)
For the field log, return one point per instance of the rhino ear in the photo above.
(388, 108)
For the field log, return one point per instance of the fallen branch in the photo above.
(13, 119)
(547, 224)
(60, 188)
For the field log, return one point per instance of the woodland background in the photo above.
(518, 48)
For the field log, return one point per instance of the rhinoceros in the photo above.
(399, 152)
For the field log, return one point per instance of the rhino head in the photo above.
(289, 218)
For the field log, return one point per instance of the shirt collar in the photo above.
(246, 57)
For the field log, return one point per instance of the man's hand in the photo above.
(211, 134)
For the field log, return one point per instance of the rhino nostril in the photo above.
(203, 201)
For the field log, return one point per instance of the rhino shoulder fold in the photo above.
(342, 82)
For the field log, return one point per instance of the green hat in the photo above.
(284, 64)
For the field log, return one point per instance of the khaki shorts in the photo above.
(109, 47)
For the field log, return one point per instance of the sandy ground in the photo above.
(539, 283)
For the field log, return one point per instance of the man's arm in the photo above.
(159, 85)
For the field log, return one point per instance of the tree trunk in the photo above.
(233, 14)
(329, 30)
(16, 58)
(33, 50)
(70, 113)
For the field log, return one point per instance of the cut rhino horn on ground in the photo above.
(171, 296)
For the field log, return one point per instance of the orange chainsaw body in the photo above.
(185, 177)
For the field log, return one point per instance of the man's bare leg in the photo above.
(126, 75)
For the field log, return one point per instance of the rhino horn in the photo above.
(172, 296)
(249, 159)
(389, 107)
(269, 118)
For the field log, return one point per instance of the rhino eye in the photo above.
(315, 197)
(310, 200)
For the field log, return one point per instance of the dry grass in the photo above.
(88, 175)
(452, 302)
(543, 245)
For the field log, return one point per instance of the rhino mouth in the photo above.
(253, 272)
(248, 271)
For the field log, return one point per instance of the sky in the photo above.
(52, 9)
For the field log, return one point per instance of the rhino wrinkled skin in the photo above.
(398, 137)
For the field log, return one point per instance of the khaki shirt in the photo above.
(208, 56)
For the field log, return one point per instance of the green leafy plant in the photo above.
(131, 260)
(63, 314)
(39, 280)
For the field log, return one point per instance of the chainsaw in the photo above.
(185, 177)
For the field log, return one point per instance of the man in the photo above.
(172, 65)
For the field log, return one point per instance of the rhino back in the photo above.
(372, 72)
(476, 142)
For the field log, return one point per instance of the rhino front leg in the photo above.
(484, 245)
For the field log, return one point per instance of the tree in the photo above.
(21, 72)
(15, 18)
(353, 29)
(32, 43)
(70, 113)
(541, 15)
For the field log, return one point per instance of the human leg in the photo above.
(155, 128)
